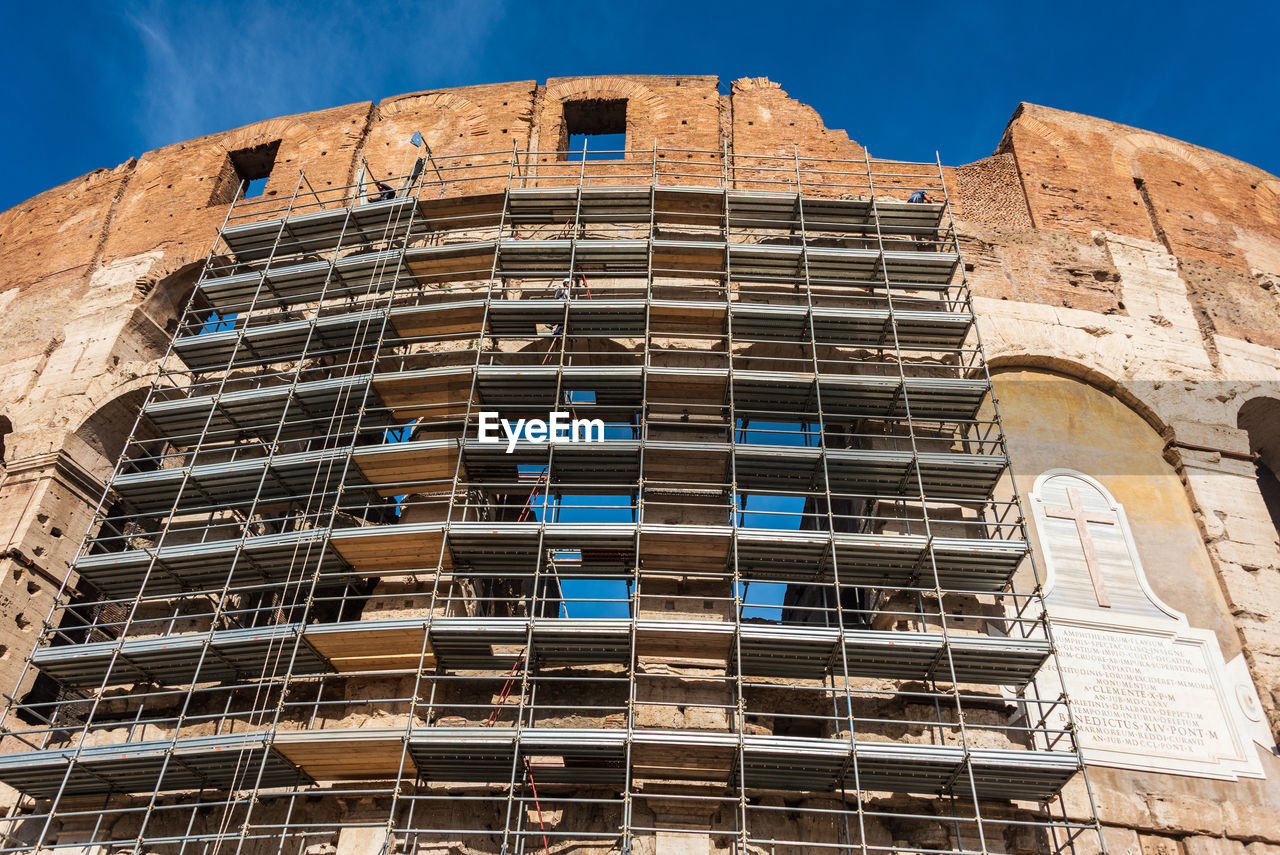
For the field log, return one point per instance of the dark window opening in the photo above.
(603, 120)
(1260, 419)
(253, 166)
(6, 428)
(1269, 486)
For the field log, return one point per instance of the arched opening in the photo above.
(82, 617)
(105, 433)
(166, 298)
(1260, 418)
(1057, 422)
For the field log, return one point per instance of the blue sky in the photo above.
(89, 85)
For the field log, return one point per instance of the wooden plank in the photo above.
(455, 212)
(704, 465)
(693, 550)
(426, 397)
(681, 645)
(346, 760)
(440, 320)
(686, 257)
(687, 387)
(674, 318)
(395, 468)
(392, 550)
(447, 262)
(689, 207)
(373, 650)
(356, 664)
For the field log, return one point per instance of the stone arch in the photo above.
(597, 88)
(647, 112)
(291, 131)
(1127, 149)
(1260, 418)
(212, 156)
(1076, 419)
(105, 431)
(607, 351)
(451, 124)
(474, 120)
(294, 137)
(1089, 375)
(166, 294)
(1043, 130)
(1269, 200)
(1127, 154)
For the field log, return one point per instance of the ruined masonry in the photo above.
(934, 508)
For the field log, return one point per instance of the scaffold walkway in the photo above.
(790, 571)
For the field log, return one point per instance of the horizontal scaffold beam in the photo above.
(295, 409)
(579, 549)
(273, 340)
(377, 271)
(393, 468)
(354, 225)
(570, 756)
(465, 644)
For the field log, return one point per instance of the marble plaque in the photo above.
(1148, 690)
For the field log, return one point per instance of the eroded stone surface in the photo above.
(1143, 266)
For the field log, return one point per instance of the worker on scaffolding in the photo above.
(385, 193)
(922, 239)
(564, 291)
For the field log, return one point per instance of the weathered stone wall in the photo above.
(1144, 267)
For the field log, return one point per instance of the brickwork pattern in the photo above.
(1145, 266)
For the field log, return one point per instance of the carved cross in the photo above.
(1082, 517)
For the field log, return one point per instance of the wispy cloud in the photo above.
(209, 67)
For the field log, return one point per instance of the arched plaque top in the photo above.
(1089, 551)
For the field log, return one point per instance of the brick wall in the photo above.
(1143, 265)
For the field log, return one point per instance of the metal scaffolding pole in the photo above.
(314, 589)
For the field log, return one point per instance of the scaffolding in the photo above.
(786, 604)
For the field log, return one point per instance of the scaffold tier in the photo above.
(393, 468)
(395, 397)
(191, 763)
(787, 582)
(378, 271)
(271, 341)
(467, 644)
(480, 755)
(886, 560)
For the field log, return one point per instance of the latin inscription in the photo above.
(1142, 695)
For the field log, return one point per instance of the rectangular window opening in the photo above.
(759, 432)
(595, 598)
(595, 128)
(253, 167)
